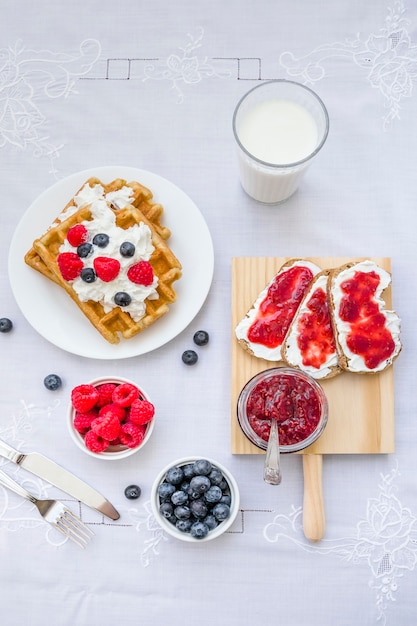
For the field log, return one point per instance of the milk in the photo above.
(279, 127)
(279, 132)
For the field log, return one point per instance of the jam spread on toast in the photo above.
(279, 306)
(369, 336)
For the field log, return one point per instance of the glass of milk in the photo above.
(279, 127)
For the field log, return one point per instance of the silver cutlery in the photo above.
(53, 512)
(59, 477)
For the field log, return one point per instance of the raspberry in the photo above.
(107, 427)
(105, 393)
(82, 421)
(131, 435)
(106, 268)
(70, 265)
(95, 443)
(141, 273)
(114, 410)
(141, 412)
(124, 394)
(77, 235)
(84, 397)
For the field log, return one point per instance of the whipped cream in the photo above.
(89, 194)
(104, 221)
(241, 331)
(292, 352)
(393, 322)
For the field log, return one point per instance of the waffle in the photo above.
(142, 199)
(117, 322)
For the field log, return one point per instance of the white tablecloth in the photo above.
(153, 86)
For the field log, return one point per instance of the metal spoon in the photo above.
(272, 467)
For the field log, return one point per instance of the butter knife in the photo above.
(59, 477)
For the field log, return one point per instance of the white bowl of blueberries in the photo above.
(195, 499)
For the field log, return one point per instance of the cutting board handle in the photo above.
(314, 522)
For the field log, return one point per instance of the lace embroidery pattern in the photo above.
(183, 68)
(149, 524)
(388, 57)
(28, 75)
(15, 513)
(386, 540)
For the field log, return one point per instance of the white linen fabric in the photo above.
(154, 85)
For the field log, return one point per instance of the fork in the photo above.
(53, 512)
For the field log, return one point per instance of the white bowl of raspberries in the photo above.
(195, 499)
(110, 417)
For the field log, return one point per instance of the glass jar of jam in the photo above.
(293, 398)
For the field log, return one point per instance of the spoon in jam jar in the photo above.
(272, 466)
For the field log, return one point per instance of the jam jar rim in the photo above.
(269, 373)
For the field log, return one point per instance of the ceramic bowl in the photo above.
(308, 404)
(114, 452)
(169, 527)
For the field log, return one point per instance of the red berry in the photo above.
(124, 394)
(107, 427)
(70, 265)
(131, 435)
(82, 421)
(77, 235)
(95, 443)
(105, 393)
(141, 412)
(106, 268)
(141, 273)
(114, 410)
(84, 398)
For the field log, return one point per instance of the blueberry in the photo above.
(210, 521)
(52, 382)
(185, 486)
(188, 470)
(224, 485)
(174, 475)
(184, 525)
(166, 510)
(221, 511)
(121, 298)
(199, 509)
(179, 497)
(132, 492)
(201, 338)
(200, 484)
(84, 250)
(127, 249)
(214, 494)
(199, 530)
(6, 325)
(226, 499)
(189, 357)
(182, 512)
(202, 467)
(193, 495)
(101, 240)
(88, 275)
(216, 476)
(165, 490)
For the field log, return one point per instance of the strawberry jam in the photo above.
(369, 338)
(316, 339)
(297, 404)
(278, 308)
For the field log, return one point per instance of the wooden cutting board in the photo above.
(361, 407)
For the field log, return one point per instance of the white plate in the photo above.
(56, 317)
